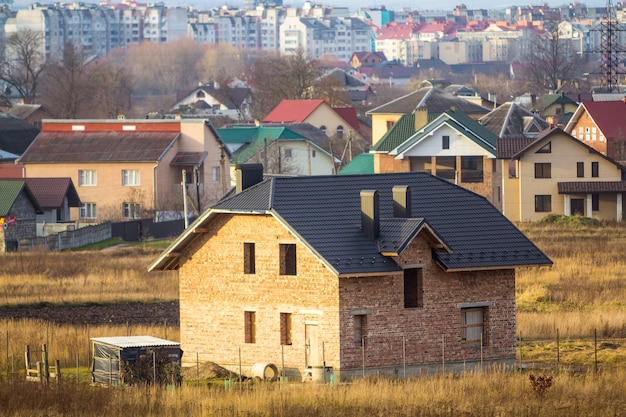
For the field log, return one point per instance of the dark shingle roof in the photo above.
(51, 147)
(576, 187)
(506, 148)
(324, 211)
(435, 100)
(15, 134)
(511, 119)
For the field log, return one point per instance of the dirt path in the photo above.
(146, 314)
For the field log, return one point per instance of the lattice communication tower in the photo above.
(611, 52)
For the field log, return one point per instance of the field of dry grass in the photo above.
(487, 394)
(583, 295)
(108, 276)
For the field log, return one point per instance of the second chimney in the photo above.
(402, 201)
(247, 176)
(370, 213)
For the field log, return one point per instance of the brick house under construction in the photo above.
(358, 273)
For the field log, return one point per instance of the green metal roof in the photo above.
(263, 136)
(401, 130)
(361, 164)
(460, 122)
(9, 190)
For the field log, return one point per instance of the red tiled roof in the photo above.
(349, 115)
(609, 116)
(292, 111)
(81, 146)
(50, 192)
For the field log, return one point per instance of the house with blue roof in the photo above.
(349, 275)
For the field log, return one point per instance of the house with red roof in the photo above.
(335, 122)
(367, 59)
(601, 125)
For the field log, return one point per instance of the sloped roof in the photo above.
(84, 146)
(609, 116)
(507, 147)
(264, 136)
(397, 134)
(10, 190)
(349, 115)
(360, 164)
(548, 100)
(51, 192)
(231, 97)
(403, 131)
(23, 111)
(511, 119)
(324, 213)
(16, 135)
(435, 100)
(289, 111)
(580, 187)
(188, 158)
(458, 121)
(555, 131)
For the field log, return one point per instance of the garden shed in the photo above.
(130, 359)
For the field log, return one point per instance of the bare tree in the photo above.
(332, 92)
(278, 78)
(551, 61)
(76, 87)
(24, 65)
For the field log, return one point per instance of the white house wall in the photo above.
(460, 145)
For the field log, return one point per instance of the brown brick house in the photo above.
(361, 273)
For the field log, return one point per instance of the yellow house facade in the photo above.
(127, 169)
(558, 174)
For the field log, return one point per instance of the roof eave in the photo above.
(492, 267)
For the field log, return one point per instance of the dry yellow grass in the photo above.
(492, 393)
(66, 343)
(583, 291)
(108, 276)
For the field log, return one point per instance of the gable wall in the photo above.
(324, 115)
(26, 226)
(424, 329)
(586, 122)
(214, 293)
(379, 125)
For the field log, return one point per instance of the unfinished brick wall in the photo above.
(215, 293)
(424, 331)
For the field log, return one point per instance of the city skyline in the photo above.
(351, 4)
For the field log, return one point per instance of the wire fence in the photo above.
(73, 351)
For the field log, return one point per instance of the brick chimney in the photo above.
(248, 175)
(370, 213)
(402, 201)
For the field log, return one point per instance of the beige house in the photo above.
(556, 173)
(126, 169)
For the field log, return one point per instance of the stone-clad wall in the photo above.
(26, 226)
